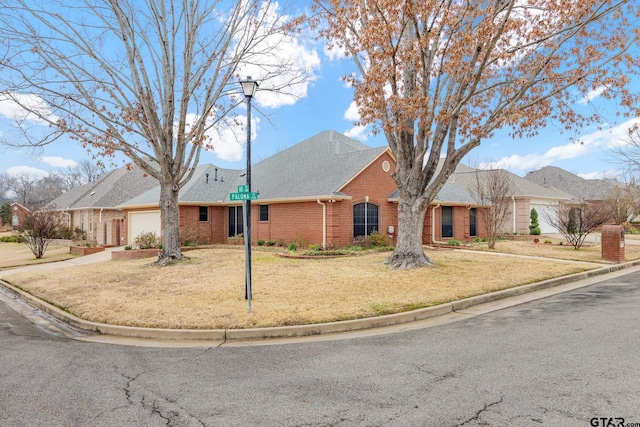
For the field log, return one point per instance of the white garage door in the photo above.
(144, 222)
(541, 208)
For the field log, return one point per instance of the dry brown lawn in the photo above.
(589, 252)
(207, 290)
(16, 254)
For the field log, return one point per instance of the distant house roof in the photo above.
(579, 188)
(450, 193)
(316, 167)
(108, 191)
(520, 187)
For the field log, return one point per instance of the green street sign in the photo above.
(243, 196)
(243, 188)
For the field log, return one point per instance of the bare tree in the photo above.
(439, 77)
(23, 188)
(6, 184)
(576, 220)
(35, 193)
(39, 229)
(492, 189)
(623, 203)
(152, 79)
(82, 173)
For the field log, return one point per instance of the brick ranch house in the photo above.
(325, 190)
(91, 208)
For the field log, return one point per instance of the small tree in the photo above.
(491, 191)
(5, 213)
(534, 228)
(576, 220)
(39, 229)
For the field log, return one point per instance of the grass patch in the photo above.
(207, 290)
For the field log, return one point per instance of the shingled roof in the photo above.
(579, 188)
(520, 187)
(108, 191)
(316, 167)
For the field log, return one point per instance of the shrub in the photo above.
(14, 238)
(79, 234)
(260, 242)
(189, 238)
(65, 233)
(373, 240)
(548, 242)
(453, 242)
(480, 240)
(127, 248)
(534, 228)
(147, 240)
(280, 242)
(269, 243)
(293, 247)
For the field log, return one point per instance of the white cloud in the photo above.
(28, 171)
(598, 140)
(283, 65)
(333, 54)
(358, 132)
(58, 162)
(613, 174)
(21, 107)
(352, 112)
(593, 94)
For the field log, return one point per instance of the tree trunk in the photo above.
(409, 252)
(170, 218)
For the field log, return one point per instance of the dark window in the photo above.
(204, 213)
(447, 221)
(235, 221)
(264, 213)
(473, 222)
(365, 219)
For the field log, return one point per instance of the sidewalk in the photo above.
(81, 260)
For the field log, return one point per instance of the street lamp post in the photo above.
(249, 88)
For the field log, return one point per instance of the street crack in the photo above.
(476, 417)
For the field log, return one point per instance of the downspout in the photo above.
(433, 225)
(514, 215)
(324, 223)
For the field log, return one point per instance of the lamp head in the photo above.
(249, 86)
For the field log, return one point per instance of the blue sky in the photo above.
(326, 103)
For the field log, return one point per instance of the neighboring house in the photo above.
(325, 190)
(580, 189)
(19, 214)
(524, 196)
(92, 209)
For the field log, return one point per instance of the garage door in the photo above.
(542, 208)
(143, 222)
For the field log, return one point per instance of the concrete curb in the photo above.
(302, 330)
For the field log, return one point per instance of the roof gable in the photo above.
(108, 191)
(577, 187)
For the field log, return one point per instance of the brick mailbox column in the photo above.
(613, 243)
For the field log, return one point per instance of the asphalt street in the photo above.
(558, 361)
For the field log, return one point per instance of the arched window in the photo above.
(365, 219)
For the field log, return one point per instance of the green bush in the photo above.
(147, 240)
(480, 240)
(127, 248)
(14, 238)
(534, 228)
(453, 242)
(260, 242)
(293, 247)
(269, 243)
